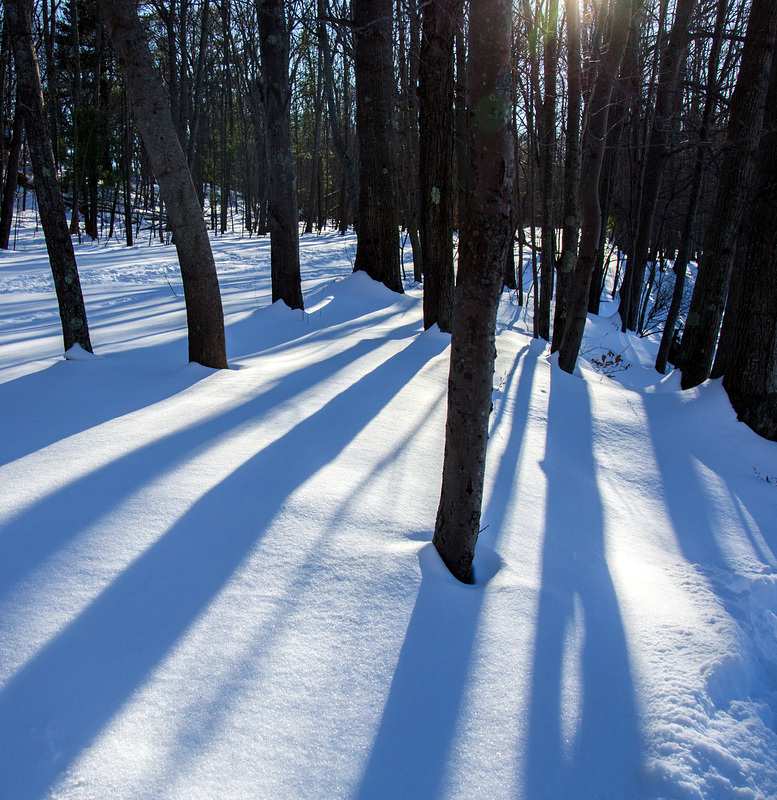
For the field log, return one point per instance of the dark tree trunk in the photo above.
(282, 210)
(546, 119)
(729, 325)
(751, 373)
(52, 82)
(5, 57)
(751, 369)
(50, 206)
(315, 177)
(571, 225)
(126, 166)
(668, 98)
(377, 248)
(687, 244)
(409, 58)
(744, 130)
(75, 44)
(415, 145)
(607, 178)
(338, 140)
(11, 176)
(460, 126)
(198, 82)
(590, 170)
(205, 317)
(484, 237)
(436, 91)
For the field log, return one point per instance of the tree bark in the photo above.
(751, 369)
(50, 206)
(377, 248)
(590, 170)
(205, 317)
(436, 92)
(484, 237)
(744, 130)
(338, 140)
(668, 98)
(75, 44)
(546, 140)
(11, 176)
(687, 244)
(408, 175)
(571, 224)
(282, 211)
(460, 126)
(315, 170)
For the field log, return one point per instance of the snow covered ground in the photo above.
(220, 584)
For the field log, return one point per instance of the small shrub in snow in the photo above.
(768, 478)
(609, 363)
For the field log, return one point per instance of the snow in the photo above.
(221, 584)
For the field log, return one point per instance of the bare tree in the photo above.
(204, 313)
(571, 216)
(50, 206)
(282, 211)
(484, 237)
(668, 97)
(441, 19)
(377, 249)
(700, 165)
(591, 164)
(751, 369)
(11, 175)
(744, 131)
(546, 140)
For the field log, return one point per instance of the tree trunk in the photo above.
(11, 176)
(483, 241)
(226, 118)
(50, 206)
(686, 240)
(744, 130)
(126, 166)
(460, 126)
(205, 317)
(590, 170)
(546, 136)
(5, 57)
(571, 226)
(408, 176)
(436, 91)
(668, 100)
(338, 140)
(377, 248)
(282, 210)
(52, 83)
(75, 44)
(198, 81)
(751, 369)
(315, 178)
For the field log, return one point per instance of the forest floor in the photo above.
(220, 584)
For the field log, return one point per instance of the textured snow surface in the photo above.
(220, 584)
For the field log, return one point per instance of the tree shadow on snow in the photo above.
(584, 739)
(411, 748)
(414, 740)
(61, 699)
(35, 534)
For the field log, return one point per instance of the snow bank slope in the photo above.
(220, 584)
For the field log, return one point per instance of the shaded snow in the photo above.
(220, 584)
